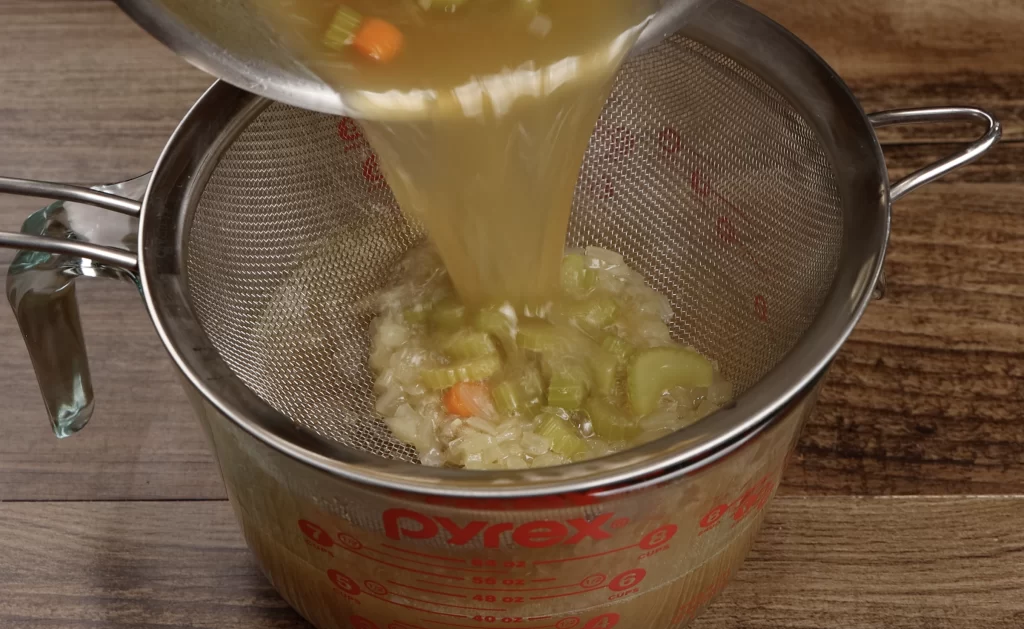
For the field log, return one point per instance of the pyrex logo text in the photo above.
(402, 524)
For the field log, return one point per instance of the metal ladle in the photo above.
(228, 39)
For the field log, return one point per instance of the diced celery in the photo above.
(478, 369)
(418, 314)
(509, 399)
(609, 422)
(466, 344)
(495, 322)
(605, 367)
(542, 337)
(448, 314)
(343, 28)
(466, 371)
(618, 347)
(439, 378)
(652, 372)
(568, 387)
(577, 279)
(565, 439)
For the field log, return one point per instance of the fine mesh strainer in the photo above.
(730, 167)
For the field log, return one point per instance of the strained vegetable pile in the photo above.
(594, 372)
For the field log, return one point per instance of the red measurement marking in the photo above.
(609, 552)
(474, 589)
(316, 533)
(407, 569)
(658, 537)
(622, 141)
(348, 130)
(713, 517)
(349, 542)
(593, 581)
(726, 230)
(699, 185)
(604, 621)
(627, 580)
(761, 307)
(404, 523)
(412, 552)
(371, 169)
(603, 186)
(755, 498)
(703, 188)
(567, 623)
(413, 587)
(358, 622)
(451, 624)
(418, 609)
(345, 584)
(434, 565)
(497, 621)
(670, 140)
(376, 588)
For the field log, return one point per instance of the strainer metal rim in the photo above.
(729, 27)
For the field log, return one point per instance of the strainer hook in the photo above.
(928, 174)
(969, 154)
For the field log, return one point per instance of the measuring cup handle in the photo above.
(78, 235)
(970, 153)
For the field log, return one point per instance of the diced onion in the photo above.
(550, 368)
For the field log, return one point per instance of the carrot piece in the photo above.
(378, 39)
(468, 399)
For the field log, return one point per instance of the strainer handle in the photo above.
(78, 235)
(970, 153)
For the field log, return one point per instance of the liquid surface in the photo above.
(594, 372)
(480, 112)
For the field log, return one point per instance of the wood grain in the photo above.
(822, 563)
(926, 396)
(914, 53)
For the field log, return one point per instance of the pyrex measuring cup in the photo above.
(730, 167)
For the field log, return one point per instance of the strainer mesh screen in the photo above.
(703, 177)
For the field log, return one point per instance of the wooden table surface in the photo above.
(901, 509)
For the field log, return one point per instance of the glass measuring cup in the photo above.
(650, 556)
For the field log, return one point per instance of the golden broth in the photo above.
(481, 120)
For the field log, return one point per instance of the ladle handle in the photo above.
(89, 231)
